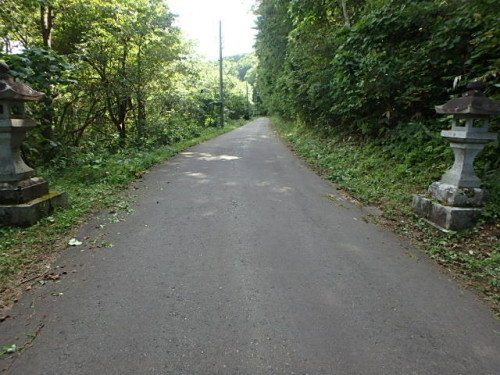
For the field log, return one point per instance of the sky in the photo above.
(199, 19)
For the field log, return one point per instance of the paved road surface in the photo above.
(236, 261)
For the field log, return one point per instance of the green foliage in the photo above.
(118, 74)
(45, 71)
(38, 67)
(18, 23)
(394, 64)
(271, 47)
(242, 66)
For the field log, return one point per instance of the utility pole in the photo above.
(221, 80)
(248, 101)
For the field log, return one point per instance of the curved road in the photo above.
(237, 259)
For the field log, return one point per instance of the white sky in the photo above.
(200, 21)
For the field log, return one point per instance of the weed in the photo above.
(10, 349)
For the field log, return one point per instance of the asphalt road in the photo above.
(237, 259)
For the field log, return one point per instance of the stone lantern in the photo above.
(457, 199)
(24, 198)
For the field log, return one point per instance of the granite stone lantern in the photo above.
(455, 202)
(24, 198)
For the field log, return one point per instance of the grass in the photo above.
(25, 253)
(374, 176)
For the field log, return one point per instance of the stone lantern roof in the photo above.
(473, 102)
(11, 90)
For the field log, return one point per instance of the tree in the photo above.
(369, 65)
(118, 74)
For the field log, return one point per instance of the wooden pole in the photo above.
(221, 79)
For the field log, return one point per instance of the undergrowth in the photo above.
(92, 180)
(386, 172)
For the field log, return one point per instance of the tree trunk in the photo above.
(123, 99)
(141, 113)
(46, 23)
(141, 105)
(346, 13)
(123, 134)
(7, 46)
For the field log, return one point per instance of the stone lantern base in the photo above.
(23, 191)
(450, 207)
(28, 213)
(445, 217)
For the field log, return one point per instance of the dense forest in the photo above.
(376, 68)
(370, 65)
(116, 74)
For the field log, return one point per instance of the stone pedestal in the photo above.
(23, 191)
(458, 197)
(27, 214)
(24, 198)
(449, 207)
(445, 217)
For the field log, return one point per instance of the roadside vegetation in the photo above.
(353, 85)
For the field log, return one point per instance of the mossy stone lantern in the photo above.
(24, 198)
(455, 201)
